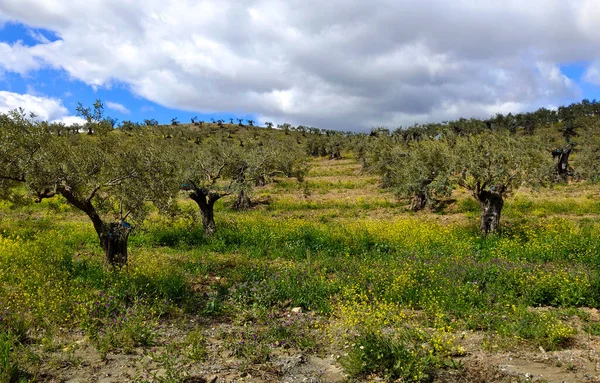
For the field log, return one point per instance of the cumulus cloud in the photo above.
(592, 74)
(17, 58)
(45, 108)
(70, 120)
(117, 107)
(336, 64)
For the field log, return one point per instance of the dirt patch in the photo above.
(79, 362)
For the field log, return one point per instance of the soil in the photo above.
(79, 361)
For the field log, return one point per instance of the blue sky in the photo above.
(576, 72)
(58, 84)
(342, 65)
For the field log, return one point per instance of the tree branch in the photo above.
(47, 193)
(93, 193)
(117, 180)
(214, 179)
(11, 178)
(113, 182)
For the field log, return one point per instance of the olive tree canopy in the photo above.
(588, 154)
(205, 169)
(258, 163)
(110, 176)
(421, 171)
(491, 165)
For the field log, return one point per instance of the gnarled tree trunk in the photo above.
(491, 206)
(260, 180)
(242, 202)
(206, 202)
(335, 155)
(113, 239)
(208, 220)
(419, 201)
(113, 236)
(563, 164)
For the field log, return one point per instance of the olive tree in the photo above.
(421, 171)
(322, 145)
(260, 162)
(206, 167)
(588, 156)
(96, 122)
(21, 142)
(491, 165)
(111, 177)
(375, 155)
(565, 146)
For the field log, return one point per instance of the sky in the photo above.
(336, 64)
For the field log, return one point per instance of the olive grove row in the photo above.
(113, 174)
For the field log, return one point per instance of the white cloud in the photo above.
(117, 107)
(592, 74)
(71, 120)
(335, 64)
(588, 16)
(17, 58)
(45, 108)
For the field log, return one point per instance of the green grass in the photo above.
(9, 367)
(390, 279)
(395, 359)
(324, 186)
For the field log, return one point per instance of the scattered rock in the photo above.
(287, 363)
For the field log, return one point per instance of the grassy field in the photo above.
(332, 280)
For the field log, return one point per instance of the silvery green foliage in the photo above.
(587, 157)
(500, 162)
(208, 165)
(119, 174)
(421, 167)
(260, 162)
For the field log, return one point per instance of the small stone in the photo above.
(297, 310)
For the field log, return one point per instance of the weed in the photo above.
(345, 254)
(393, 358)
(9, 368)
(168, 360)
(593, 329)
(195, 345)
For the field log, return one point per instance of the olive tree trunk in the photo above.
(563, 164)
(419, 201)
(113, 236)
(208, 219)
(113, 239)
(242, 202)
(491, 206)
(206, 202)
(335, 155)
(261, 180)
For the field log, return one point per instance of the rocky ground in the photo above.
(79, 361)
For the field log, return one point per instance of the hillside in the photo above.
(291, 289)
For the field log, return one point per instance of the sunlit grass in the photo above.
(382, 276)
